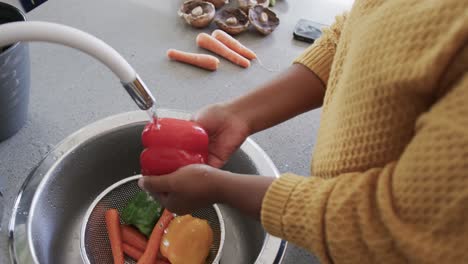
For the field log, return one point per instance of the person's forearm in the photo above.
(243, 192)
(292, 93)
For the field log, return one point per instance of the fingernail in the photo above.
(141, 183)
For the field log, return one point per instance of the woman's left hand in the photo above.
(187, 189)
(197, 186)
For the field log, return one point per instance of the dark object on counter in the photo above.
(29, 5)
(308, 31)
(263, 19)
(196, 13)
(14, 78)
(232, 20)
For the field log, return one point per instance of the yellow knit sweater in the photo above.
(390, 167)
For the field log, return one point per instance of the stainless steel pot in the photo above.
(48, 213)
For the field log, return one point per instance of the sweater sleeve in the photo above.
(413, 209)
(319, 56)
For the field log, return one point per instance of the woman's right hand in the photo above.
(226, 131)
(294, 92)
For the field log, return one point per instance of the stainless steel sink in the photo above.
(48, 213)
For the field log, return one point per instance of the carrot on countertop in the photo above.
(133, 237)
(151, 253)
(115, 237)
(233, 44)
(132, 251)
(204, 61)
(210, 43)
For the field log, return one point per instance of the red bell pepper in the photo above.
(170, 144)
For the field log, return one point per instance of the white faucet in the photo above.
(60, 34)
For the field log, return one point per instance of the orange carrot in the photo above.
(133, 237)
(233, 44)
(204, 61)
(132, 251)
(151, 253)
(208, 42)
(115, 237)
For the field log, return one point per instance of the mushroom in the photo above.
(247, 4)
(197, 13)
(218, 3)
(263, 19)
(232, 20)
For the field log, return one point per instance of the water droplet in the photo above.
(166, 243)
(152, 113)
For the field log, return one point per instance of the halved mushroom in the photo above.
(232, 20)
(263, 19)
(197, 13)
(247, 4)
(218, 3)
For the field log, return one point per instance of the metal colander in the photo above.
(95, 244)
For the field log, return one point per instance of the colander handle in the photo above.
(60, 34)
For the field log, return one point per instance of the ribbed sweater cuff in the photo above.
(275, 202)
(319, 60)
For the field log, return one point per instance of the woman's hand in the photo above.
(295, 91)
(226, 131)
(197, 186)
(187, 189)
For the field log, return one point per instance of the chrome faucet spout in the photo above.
(140, 93)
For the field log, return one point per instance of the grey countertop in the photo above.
(70, 90)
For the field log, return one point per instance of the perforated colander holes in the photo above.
(97, 245)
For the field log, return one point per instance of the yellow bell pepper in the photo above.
(187, 240)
